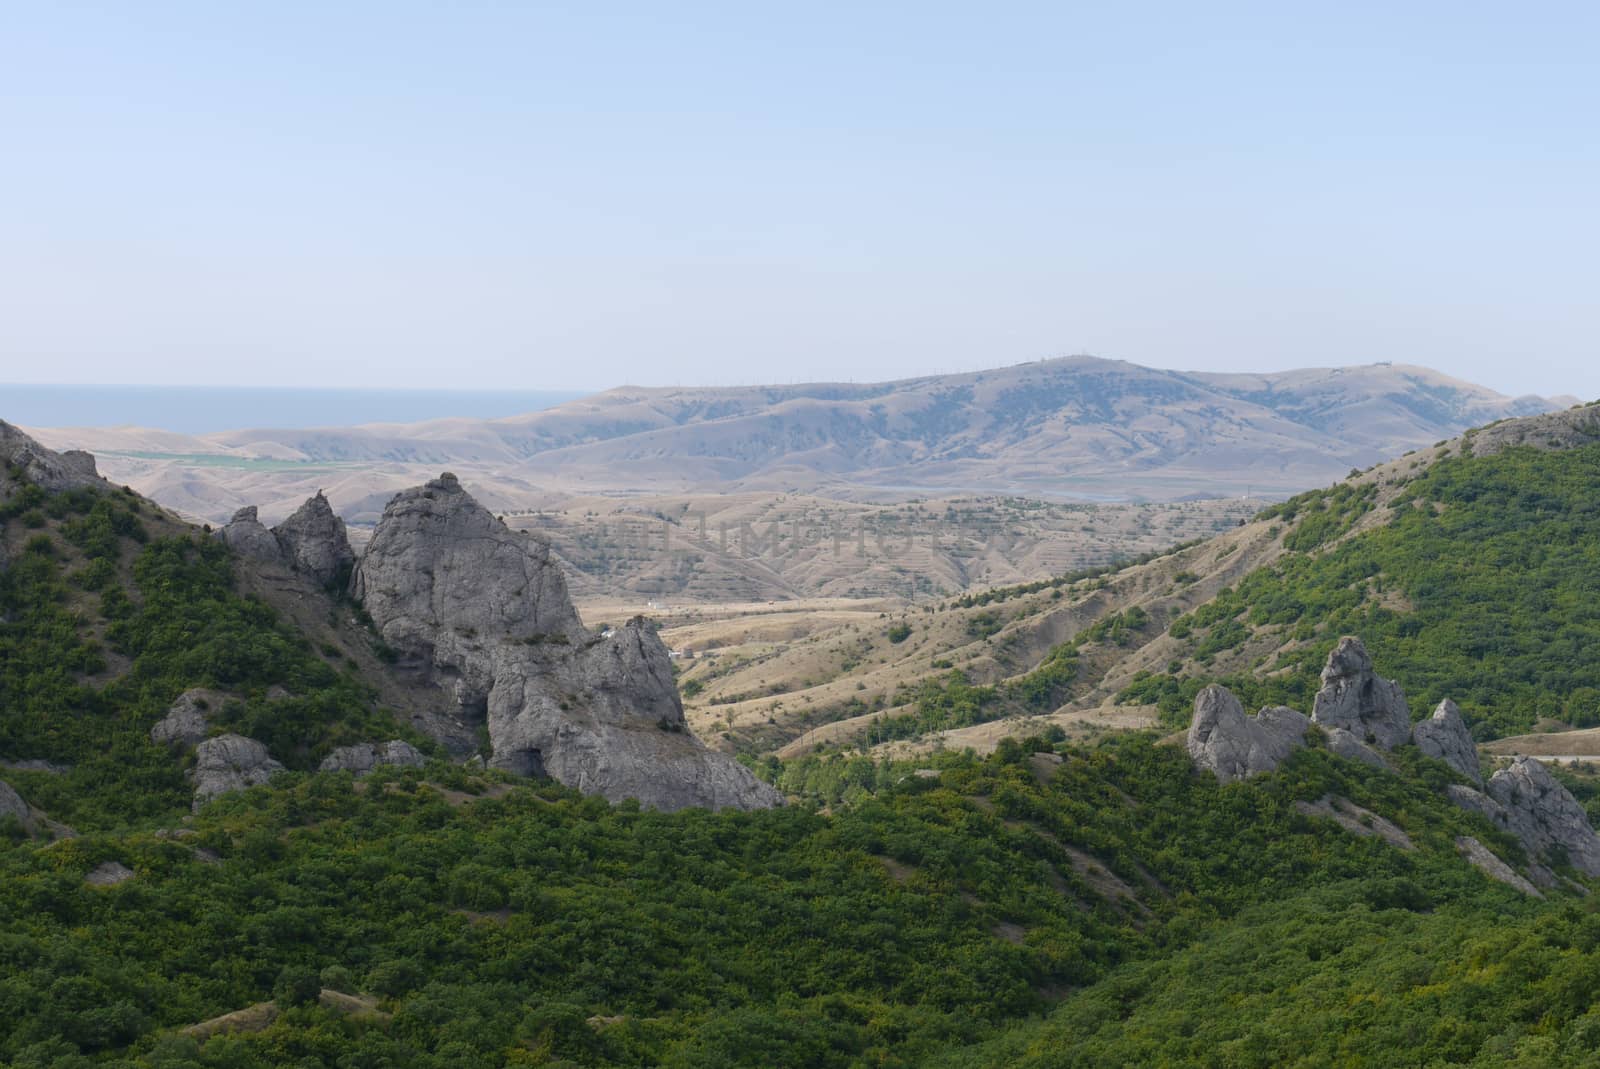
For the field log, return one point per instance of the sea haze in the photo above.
(204, 409)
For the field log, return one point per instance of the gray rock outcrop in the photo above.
(1356, 820)
(46, 468)
(366, 756)
(229, 763)
(185, 723)
(1484, 860)
(12, 805)
(483, 611)
(37, 764)
(1544, 816)
(1444, 736)
(1342, 743)
(1355, 698)
(1478, 802)
(1232, 745)
(249, 537)
(314, 541)
(108, 874)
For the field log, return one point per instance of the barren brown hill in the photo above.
(1073, 427)
(1451, 558)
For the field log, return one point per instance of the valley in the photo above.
(1002, 789)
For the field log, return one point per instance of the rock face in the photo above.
(1544, 815)
(1342, 743)
(248, 537)
(366, 756)
(484, 612)
(314, 541)
(12, 805)
(1232, 745)
(229, 763)
(1354, 698)
(1477, 802)
(1444, 736)
(1482, 859)
(46, 468)
(185, 723)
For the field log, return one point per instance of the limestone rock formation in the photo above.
(1356, 699)
(108, 874)
(1478, 802)
(229, 763)
(366, 756)
(1444, 736)
(314, 541)
(1544, 815)
(1234, 746)
(12, 805)
(1356, 820)
(37, 764)
(46, 468)
(185, 723)
(249, 537)
(1482, 859)
(483, 611)
(1342, 743)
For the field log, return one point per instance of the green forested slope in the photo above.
(107, 613)
(1483, 587)
(918, 920)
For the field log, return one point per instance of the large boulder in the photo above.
(1544, 815)
(185, 723)
(314, 541)
(1223, 740)
(249, 537)
(1357, 700)
(1445, 736)
(229, 763)
(363, 757)
(483, 611)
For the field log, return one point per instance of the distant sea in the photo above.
(201, 409)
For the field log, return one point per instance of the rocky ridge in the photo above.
(1361, 716)
(312, 540)
(49, 470)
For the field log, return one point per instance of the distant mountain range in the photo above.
(1079, 427)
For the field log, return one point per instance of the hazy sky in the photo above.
(577, 195)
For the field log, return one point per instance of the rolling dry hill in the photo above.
(1469, 567)
(1077, 427)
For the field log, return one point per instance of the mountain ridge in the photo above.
(1074, 427)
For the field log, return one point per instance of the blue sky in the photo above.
(580, 195)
